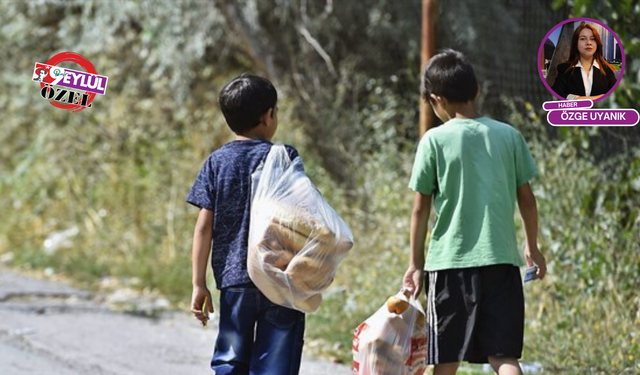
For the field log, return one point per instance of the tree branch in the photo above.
(249, 37)
(316, 46)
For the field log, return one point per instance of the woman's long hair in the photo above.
(574, 55)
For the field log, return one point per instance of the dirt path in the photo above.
(49, 327)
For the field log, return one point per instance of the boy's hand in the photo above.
(534, 256)
(413, 280)
(200, 294)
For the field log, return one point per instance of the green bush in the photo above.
(115, 177)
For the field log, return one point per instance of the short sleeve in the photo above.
(423, 176)
(524, 163)
(202, 191)
(293, 154)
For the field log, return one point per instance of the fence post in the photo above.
(427, 47)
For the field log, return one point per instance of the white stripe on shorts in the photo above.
(429, 329)
(432, 320)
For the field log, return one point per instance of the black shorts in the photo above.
(474, 313)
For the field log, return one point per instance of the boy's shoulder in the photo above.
(486, 127)
(453, 127)
(488, 121)
(246, 149)
(240, 147)
(502, 130)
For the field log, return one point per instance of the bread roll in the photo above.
(315, 283)
(295, 227)
(302, 223)
(295, 254)
(343, 246)
(331, 248)
(274, 248)
(291, 240)
(311, 274)
(277, 258)
(269, 280)
(397, 305)
(310, 304)
(383, 358)
(269, 241)
(279, 237)
(299, 220)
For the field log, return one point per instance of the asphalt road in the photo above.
(51, 328)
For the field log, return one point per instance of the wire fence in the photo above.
(502, 39)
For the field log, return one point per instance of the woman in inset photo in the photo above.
(586, 75)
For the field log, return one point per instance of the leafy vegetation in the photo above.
(100, 193)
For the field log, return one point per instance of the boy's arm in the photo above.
(529, 214)
(202, 236)
(414, 276)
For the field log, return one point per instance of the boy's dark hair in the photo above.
(450, 75)
(244, 99)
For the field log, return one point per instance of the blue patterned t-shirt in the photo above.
(224, 187)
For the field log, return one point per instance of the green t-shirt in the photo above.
(472, 168)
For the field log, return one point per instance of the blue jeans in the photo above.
(256, 337)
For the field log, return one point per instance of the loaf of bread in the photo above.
(285, 238)
(278, 258)
(297, 225)
(310, 274)
(392, 343)
(294, 257)
(267, 278)
(397, 305)
(381, 358)
(303, 224)
(310, 304)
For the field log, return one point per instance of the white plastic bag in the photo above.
(296, 240)
(393, 341)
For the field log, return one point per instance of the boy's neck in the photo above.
(240, 137)
(467, 110)
(254, 134)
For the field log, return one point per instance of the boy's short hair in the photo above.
(449, 75)
(244, 99)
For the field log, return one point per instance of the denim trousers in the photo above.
(256, 337)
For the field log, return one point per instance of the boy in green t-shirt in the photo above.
(475, 169)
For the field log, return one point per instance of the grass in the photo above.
(125, 195)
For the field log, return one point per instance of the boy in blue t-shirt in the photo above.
(475, 169)
(255, 336)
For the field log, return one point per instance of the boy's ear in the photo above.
(267, 114)
(436, 99)
(478, 92)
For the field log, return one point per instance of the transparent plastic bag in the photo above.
(296, 240)
(393, 341)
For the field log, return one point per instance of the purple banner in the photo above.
(73, 79)
(567, 104)
(594, 117)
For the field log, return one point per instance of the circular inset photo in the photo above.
(581, 58)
